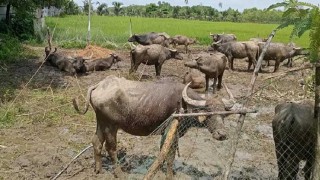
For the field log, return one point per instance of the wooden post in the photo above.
(316, 170)
(164, 150)
(242, 116)
(89, 24)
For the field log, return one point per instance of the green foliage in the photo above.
(117, 7)
(71, 8)
(10, 49)
(116, 29)
(315, 35)
(303, 16)
(102, 9)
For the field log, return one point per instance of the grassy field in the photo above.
(114, 31)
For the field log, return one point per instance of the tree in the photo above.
(72, 8)
(102, 9)
(117, 7)
(307, 17)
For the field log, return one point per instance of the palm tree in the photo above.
(117, 7)
(307, 17)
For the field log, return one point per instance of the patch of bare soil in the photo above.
(38, 147)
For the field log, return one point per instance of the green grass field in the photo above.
(106, 30)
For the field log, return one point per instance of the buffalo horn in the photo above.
(190, 101)
(218, 42)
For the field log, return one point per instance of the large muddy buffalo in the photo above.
(182, 40)
(137, 108)
(154, 54)
(295, 137)
(279, 52)
(212, 65)
(223, 38)
(246, 49)
(151, 38)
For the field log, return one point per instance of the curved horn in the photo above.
(211, 34)
(218, 42)
(190, 101)
(173, 50)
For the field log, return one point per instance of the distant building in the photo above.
(3, 10)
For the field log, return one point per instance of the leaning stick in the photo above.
(228, 91)
(49, 38)
(242, 116)
(66, 167)
(164, 151)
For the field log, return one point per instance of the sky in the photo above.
(234, 4)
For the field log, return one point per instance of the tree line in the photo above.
(166, 10)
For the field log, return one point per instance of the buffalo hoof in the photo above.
(220, 135)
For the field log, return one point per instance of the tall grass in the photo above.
(106, 29)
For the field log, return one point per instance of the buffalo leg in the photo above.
(231, 61)
(158, 69)
(276, 66)
(110, 134)
(97, 142)
(134, 68)
(214, 84)
(186, 49)
(207, 83)
(220, 81)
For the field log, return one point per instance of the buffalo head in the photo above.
(175, 54)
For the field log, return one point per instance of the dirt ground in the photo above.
(44, 139)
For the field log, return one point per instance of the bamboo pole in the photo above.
(164, 150)
(242, 116)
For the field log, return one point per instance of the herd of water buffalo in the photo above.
(139, 108)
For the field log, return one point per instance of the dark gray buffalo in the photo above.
(137, 108)
(60, 61)
(182, 40)
(279, 52)
(246, 49)
(154, 54)
(151, 38)
(98, 64)
(212, 65)
(223, 38)
(294, 133)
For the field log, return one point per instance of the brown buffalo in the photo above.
(151, 38)
(154, 54)
(212, 65)
(137, 108)
(246, 49)
(182, 40)
(279, 52)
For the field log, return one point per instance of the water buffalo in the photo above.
(137, 108)
(212, 65)
(154, 54)
(235, 49)
(295, 137)
(99, 64)
(60, 61)
(223, 38)
(279, 52)
(182, 40)
(151, 38)
(196, 78)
